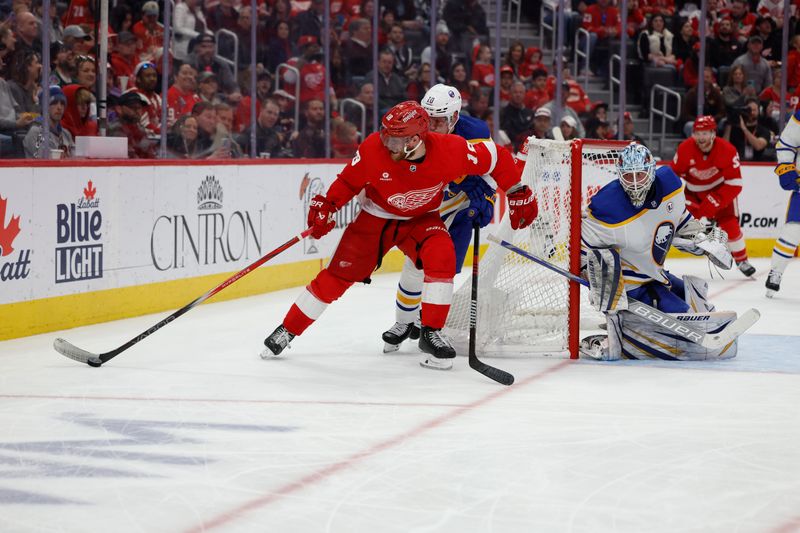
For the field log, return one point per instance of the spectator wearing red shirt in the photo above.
(574, 96)
(658, 7)
(77, 114)
(222, 16)
(149, 32)
(743, 20)
(123, 59)
(533, 61)
(603, 23)
(146, 77)
(538, 95)
(182, 96)
(79, 12)
(515, 58)
(793, 63)
(483, 70)
(506, 81)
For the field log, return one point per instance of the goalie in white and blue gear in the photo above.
(629, 227)
(787, 150)
(466, 201)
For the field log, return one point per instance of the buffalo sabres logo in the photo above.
(662, 241)
(414, 199)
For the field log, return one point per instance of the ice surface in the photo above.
(191, 431)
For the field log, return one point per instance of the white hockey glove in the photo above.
(714, 246)
(698, 237)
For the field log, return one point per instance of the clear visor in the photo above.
(394, 144)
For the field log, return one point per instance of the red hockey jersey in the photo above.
(405, 189)
(718, 171)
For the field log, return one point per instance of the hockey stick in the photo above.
(711, 341)
(68, 349)
(500, 376)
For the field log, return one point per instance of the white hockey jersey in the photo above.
(789, 142)
(642, 236)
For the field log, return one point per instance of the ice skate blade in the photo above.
(435, 363)
(390, 348)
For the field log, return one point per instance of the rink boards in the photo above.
(104, 240)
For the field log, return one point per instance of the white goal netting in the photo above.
(522, 306)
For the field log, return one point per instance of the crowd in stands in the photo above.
(209, 98)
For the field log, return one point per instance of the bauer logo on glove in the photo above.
(320, 216)
(522, 207)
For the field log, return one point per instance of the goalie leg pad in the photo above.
(605, 279)
(640, 338)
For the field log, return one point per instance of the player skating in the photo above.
(466, 200)
(630, 225)
(710, 167)
(399, 175)
(785, 246)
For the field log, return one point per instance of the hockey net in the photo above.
(522, 306)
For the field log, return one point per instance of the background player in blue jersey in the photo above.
(465, 201)
(787, 151)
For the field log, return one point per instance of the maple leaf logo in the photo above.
(7, 233)
(89, 191)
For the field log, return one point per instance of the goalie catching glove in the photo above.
(522, 207)
(698, 239)
(320, 216)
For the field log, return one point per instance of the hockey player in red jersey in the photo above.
(710, 167)
(399, 175)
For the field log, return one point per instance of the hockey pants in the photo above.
(424, 240)
(728, 219)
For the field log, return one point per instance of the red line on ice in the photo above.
(328, 471)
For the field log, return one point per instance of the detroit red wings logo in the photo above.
(705, 174)
(412, 200)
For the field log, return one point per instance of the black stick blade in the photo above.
(500, 376)
(67, 349)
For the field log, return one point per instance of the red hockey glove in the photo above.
(320, 216)
(709, 206)
(522, 207)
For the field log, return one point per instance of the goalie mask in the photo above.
(636, 172)
(443, 103)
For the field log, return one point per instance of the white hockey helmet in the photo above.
(636, 168)
(443, 101)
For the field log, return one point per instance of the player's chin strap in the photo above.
(409, 152)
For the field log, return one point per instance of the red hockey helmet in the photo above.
(705, 123)
(402, 122)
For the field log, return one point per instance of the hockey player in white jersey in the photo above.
(629, 227)
(787, 151)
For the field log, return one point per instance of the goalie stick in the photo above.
(711, 341)
(500, 376)
(71, 351)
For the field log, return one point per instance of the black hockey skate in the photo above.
(746, 268)
(276, 342)
(773, 283)
(394, 336)
(438, 352)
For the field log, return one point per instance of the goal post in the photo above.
(524, 308)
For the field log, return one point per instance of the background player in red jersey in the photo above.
(710, 167)
(399, 175)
